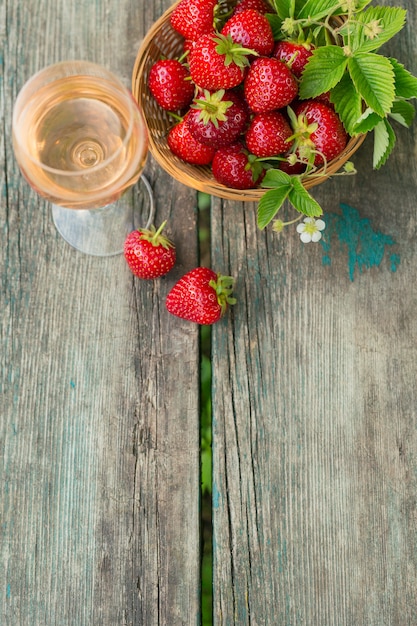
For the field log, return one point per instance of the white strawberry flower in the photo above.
(310, 229)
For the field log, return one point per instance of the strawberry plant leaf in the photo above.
(323, 71)
(348, 103)
(403, 112)
(375, 26)
(270, 203)
(275, 23)
(276, 178)
(284, 8)
(314, 10)
(359, 5)
(405, 82)
(384, 142)
(302, 200)
(367, 122)
(272, 200)
(373, 77)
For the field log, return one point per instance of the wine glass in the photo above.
(81, 141)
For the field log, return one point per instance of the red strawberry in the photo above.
(169, 83)
(188, 46)
(201, 296)
(292, 168)
(318, 130)
(148, 253)
(193, 18)
(183, 145)
(269, 85)
(293, 54)
(252, 30)
(216, 62)
(234, 167)
(268, 134)
(259, 5)
(217, 118)
(325, 97)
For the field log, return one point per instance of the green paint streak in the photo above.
(366, 247)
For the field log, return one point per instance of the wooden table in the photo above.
(314, 391)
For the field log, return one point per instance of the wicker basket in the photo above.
(163, 40)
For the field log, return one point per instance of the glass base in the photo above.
(102, 232)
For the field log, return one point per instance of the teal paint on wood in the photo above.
(215, 496)
(366, 247)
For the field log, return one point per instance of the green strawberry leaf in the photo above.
(373, 77)
(276, 178)
(313, 10)
(302, 200)
(284, 8)
(367, 122)
(403, 112)
(405, 82)
(348, 103)
(375, 26)
(272, 200)
(275, 23)
(325, 68)
(384, 142)
(270, 204)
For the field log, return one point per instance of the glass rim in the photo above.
(133, 106)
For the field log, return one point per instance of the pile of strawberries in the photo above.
(235, 94)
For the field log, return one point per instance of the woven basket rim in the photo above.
(200, 177)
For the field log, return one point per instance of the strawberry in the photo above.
(148, 253)
(268, 134)
(169, 83)
(217, 118)
(259, 5)
(201, 296)
(318, 132)
(188, 46)
(183, 145)
(217, 62)
(234, 167)
(252, 30)
(293, 54)
(325, 97)
(269, 85)
(293, 168)
(193, 18)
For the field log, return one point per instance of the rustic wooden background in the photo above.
(314, 392)
(315, 404)
(99, 385)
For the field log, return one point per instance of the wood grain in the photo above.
(99, 385)
(315, 441)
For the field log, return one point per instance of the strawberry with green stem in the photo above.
(294, 54)
(233, 166)
(201, 296)
(217, 62)
(319, 135)
(148, 253)
(217, 118)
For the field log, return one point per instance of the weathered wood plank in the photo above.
(315, 444)
(99, 432)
